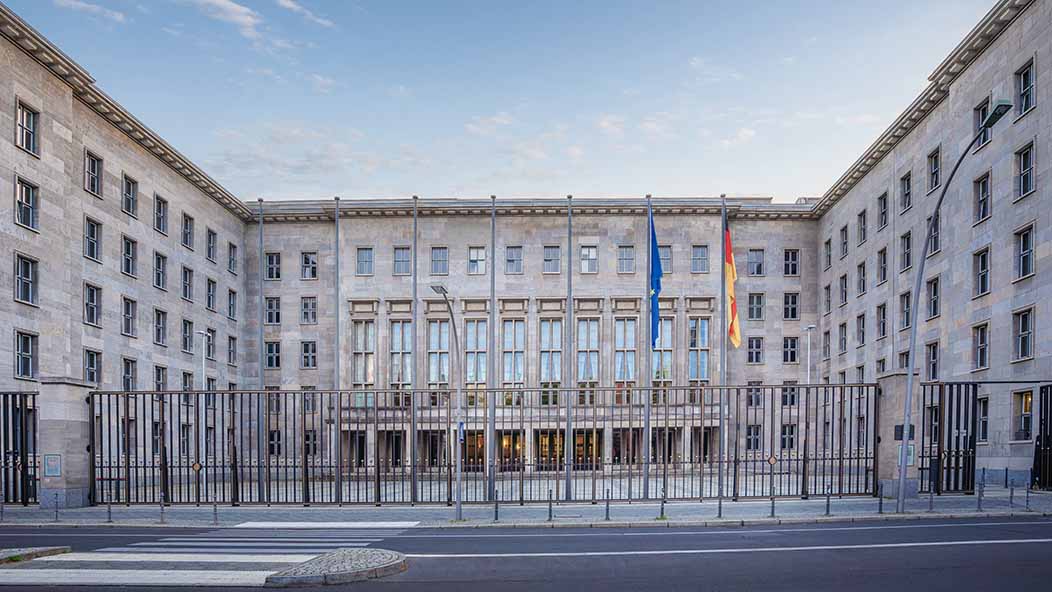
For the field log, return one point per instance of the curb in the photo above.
(393, 564)
(28, 553)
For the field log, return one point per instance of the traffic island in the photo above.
(16, 555)
(341, 567)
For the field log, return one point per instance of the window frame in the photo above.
(33, 130)
(22, 187)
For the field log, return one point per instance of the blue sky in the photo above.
(304, 99)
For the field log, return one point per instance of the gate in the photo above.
(948, 432)
(383, 446)
(1043, 448)
(18, 433)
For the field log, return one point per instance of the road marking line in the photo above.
(271, 540)
(299, 525)
(135, 577)
(251, 545)
(161, 551)
(178, 557)
(730, 550)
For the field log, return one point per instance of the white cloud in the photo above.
(92, 9)
(305, 13)
(744, 135)
(611, 125)
(657, 124)
(244, 18)
(322, 84)
(267, 73)
(706, 71)
(487, 126)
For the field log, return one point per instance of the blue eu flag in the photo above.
(655, 282)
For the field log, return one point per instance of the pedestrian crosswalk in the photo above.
(222, 557)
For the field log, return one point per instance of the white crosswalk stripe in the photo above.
(240, 556)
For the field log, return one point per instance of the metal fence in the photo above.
(948, 430)
(380, 447)
(18, 437)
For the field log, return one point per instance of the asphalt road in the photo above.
(906, 555)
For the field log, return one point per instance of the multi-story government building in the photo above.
(130, 268)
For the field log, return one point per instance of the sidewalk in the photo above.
(996, 502)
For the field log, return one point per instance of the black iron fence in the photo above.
(18, 438)
(520, 445)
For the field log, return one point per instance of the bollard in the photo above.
(550, 515)
(1006, 477)
(496, 507)
(931, 498)
(215, 514)
(1028, 495)
(772, 506)
(1011, 496)
(662, 516)
(109, 512)
(979, 496)
(3, 504)
(607, 517)
(719, 508)
(880, 499)
(161, 505)
(829, 494)
(56, 507)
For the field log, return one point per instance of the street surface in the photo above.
(981, 554)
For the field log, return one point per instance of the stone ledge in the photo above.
(16, 555)
(342, 566)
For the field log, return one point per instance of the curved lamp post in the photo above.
(999, 110)
(441, 290)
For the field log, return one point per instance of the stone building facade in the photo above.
(100, 204)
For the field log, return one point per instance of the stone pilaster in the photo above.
(890, 409)
(64, 441)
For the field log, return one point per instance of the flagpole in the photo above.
(723, 338)
(646, 355)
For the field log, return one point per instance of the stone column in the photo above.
(889, 413)
(63, 442)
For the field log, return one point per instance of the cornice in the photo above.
(62, 66)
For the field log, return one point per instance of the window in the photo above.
(129, 196)
(1024, 252)
(860, 226)
(860, 330)
(981, 271)
(587, 352)
(401, 354)
(980, 347)
(25, 279)
(1024, 85)
(661, 361)
(931, 360)
(210, 244)
(860, 275)
(755, 350)
(363, 354)
(1022, 412)
(25, 355)
(843, 241)
(308, 354)
(92, 304)
(187, 336)
(438, 354)
(753, 433)
(905, 192)
(188, 385)
(93, 174)
(882, 266)
(231, 350)
(231, 257)
(439, 260)
(826, 345)
(983, 415)
(552, 259)
(882, 211)
(513, 358)
(188, 284)
(790, 349)
(27, 206)
(364, 261)
(882, 366)
(210, 294)
(92, 239)
(827, 253)
(28, 121)
(791, 265)
(789, 393)
(755, 258)
(882, 320)
(933, 298)
(699, 259)
(934, 244)
(827, 299)
(160, 327)
(843, 289)
(551, 360)
(92, 366)
(129, 317)
(273, 310)
(129, 256)
(697, 349)
(210, 343)
(309, 310)
(160, 271)
(274, 443)
(756, 306)
(1023, 334)
(402, 261)
(905, 318)
(309, 265)
(788, 440)
(791, 306)
(129, 374)
(273, 266)
(981, 188)
(589, 259)
(476, 260)
(906, 248)
(160, 214)
(1024, 170)
(513, 260)
(842, 338)
(981, 112)
(933, 170)
(626, 259)
(188, 231)
(665, 256)
(273, 355)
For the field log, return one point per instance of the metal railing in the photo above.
(396, 446)
(18, 445)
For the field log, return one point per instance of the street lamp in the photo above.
(810, 328)
(204, 354)
(999, 110)
(441, 291)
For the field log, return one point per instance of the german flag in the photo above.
(734, 331)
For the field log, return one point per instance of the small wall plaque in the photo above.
(52, 465)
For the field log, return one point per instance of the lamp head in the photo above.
(999, 109)
(438, 289)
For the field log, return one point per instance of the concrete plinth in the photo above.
(890, 402)
(64, 442)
